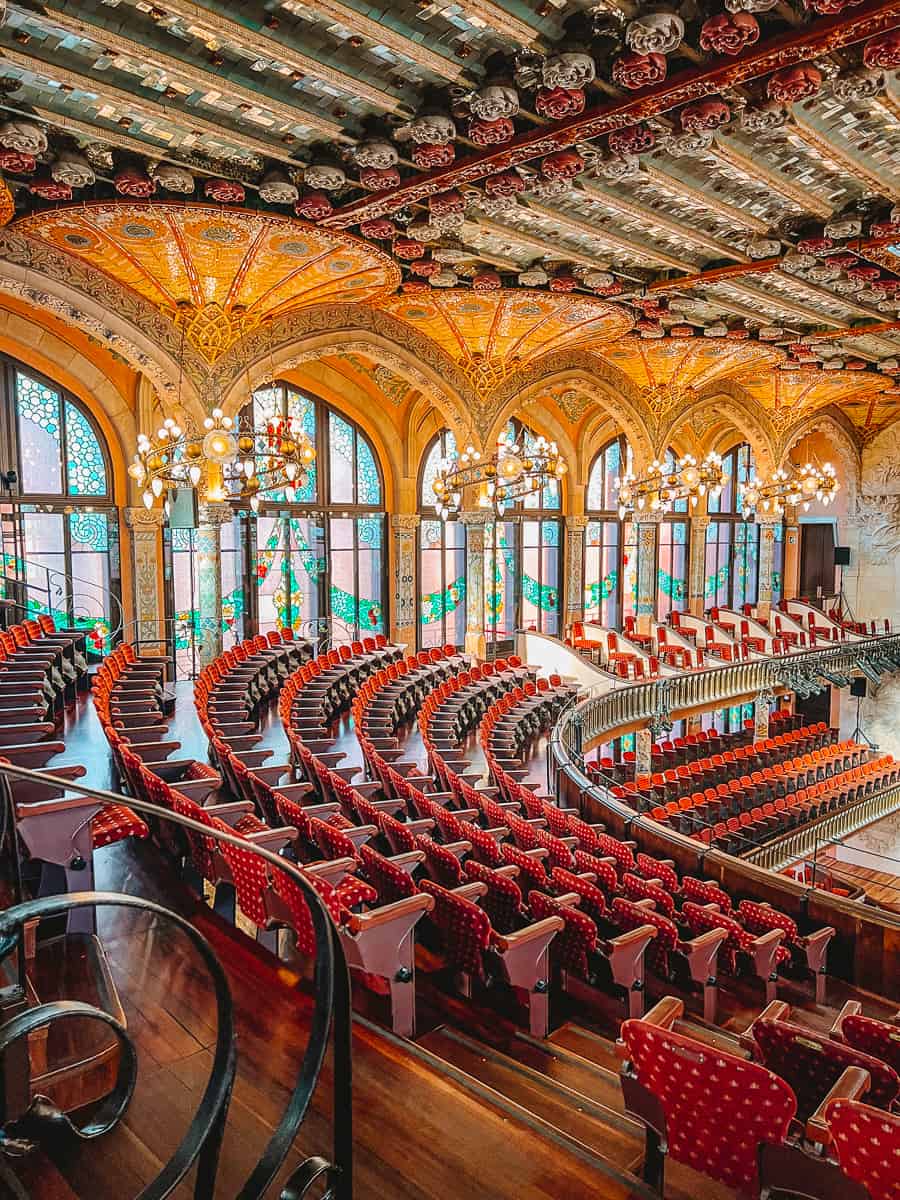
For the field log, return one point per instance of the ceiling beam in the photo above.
(382, 34)
(534, 241)
(757, 170)
(255, 43)
(194, 76)
(844, 160)
(794, 46)
(728, 212)
(601, 234)
(152, 109)
(651, 216)
(776, 300)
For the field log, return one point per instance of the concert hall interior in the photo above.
(450, 599)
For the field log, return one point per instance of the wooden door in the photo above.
(816, 560)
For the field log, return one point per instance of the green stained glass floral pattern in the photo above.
(85, 468)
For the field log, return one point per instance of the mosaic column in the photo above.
(697, 568)
(761, 714)
(146, 558)
(475, 523)
(643, 751)
(767, 523)
(575, 533)
(209, 578)
(404, 526)
(645, 538)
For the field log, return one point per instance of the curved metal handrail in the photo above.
(332, 1009)
(600, 712)
(51, 573)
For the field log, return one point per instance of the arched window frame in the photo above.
(307, 564)
(523, 561)
(60, 548)
(610, 543)
(731, 573)
(441, 558)
(673, 554)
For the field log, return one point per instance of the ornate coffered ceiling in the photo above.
(737, 210)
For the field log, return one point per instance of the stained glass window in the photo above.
(59, 450)
(442, 558)
(732, 544)
(62, 534)
(610, 558)
(317, 571)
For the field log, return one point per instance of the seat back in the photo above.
(465, 929)
(873, 1037)
(812, 1065)
(867, 1144)
(718, 1109)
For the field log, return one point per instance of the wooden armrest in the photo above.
(421, 902)
(470, 891)
(234, 808)
(775, 1010)
(458, 849)
(331, 866)
(571, 899)
(510, 871)
(530, 933)
(853, 1083)
(273, 837)
(851, 1009)
(665, 1013)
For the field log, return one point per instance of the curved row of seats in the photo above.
(41, 668)
(786, 1117)
(741, 792)
(698, 930)
(59, 829)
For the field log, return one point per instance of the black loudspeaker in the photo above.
(842, 556)
(858, 686)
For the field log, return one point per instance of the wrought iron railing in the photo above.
(39, 588)
(25, 1127)
(602, 712)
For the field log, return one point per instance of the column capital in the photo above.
(144, 518)
(577, 524)
(649, 518)
(475, 517)
(769, 518)
(405, 522)
(216, 514)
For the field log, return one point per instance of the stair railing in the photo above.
(22, 1129)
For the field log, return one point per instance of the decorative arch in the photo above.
(613, 393)
(726, 402)
(330, 329)
(840, 431)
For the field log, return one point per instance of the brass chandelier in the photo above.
(517, 468)
(794, 485)
(663, 485)
(222, 462)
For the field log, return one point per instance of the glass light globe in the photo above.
(220, 446)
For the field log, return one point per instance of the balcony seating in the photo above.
(736, 1121)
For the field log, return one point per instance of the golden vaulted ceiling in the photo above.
(719, 188)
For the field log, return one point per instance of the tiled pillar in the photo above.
(475, 523)
(144, 526)
(574, 567)
(405, 608)
(697, 567)
(646, 530)
(643, 751)
(767, 523)
(761, 715)
(209, 578)
(790, 585)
